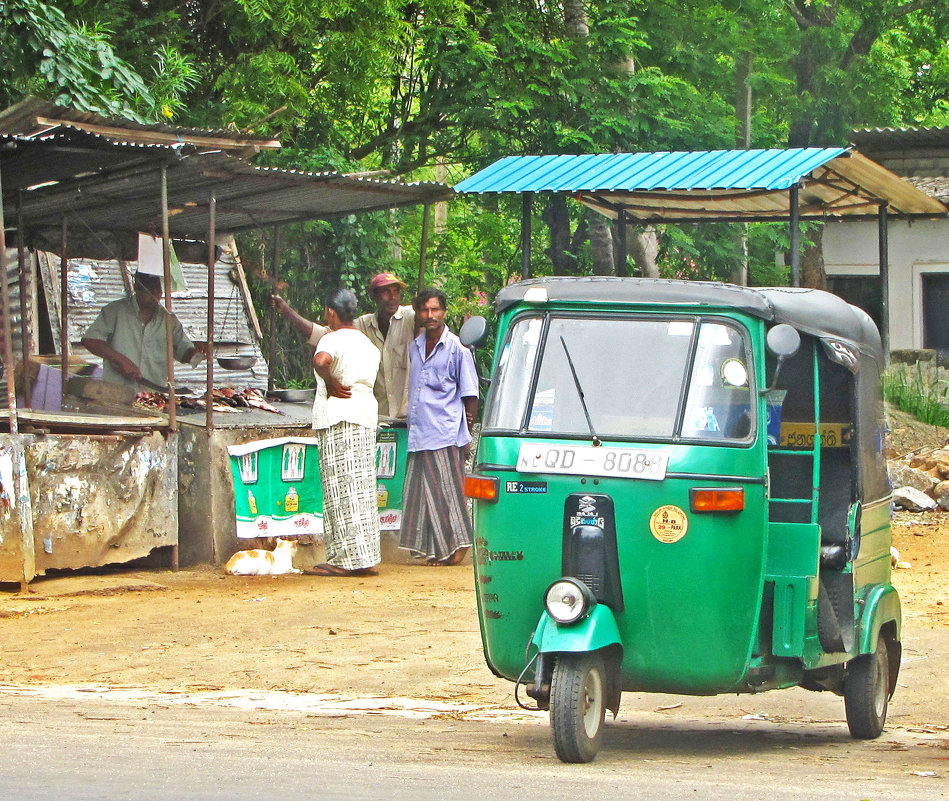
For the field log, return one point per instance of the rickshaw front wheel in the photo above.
(867, 693)
(577, 705)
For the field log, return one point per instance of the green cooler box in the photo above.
(277, 491)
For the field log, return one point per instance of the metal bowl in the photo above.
(236, 362)
(294, 395)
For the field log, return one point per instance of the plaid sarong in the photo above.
(435, 521)
(350, 510)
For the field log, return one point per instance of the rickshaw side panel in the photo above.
(792, 565)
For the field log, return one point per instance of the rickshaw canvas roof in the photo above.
(811, 311)
(726, 185)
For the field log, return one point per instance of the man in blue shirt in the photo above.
(442, 404)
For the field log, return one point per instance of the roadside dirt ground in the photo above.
(412, 632)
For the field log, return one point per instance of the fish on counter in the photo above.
(225, 399)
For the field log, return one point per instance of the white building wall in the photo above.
(915, 248)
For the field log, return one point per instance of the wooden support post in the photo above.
(212, 260)
(63, 311)
(21, 477)
(272, 334)
(884, 244)
(169, 336)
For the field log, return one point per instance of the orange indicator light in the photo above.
(482, 488)
(718, 500)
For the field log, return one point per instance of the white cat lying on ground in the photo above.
(259, 562)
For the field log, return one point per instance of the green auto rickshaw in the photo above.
(680, 487)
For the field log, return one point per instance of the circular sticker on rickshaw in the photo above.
(668, 523)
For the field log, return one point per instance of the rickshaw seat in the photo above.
(836, 495)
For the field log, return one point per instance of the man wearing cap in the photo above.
(391, 328)
(129, 336)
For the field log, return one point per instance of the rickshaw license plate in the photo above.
(585, 460)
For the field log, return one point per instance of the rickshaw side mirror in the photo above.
(474, 332)
(783, 341)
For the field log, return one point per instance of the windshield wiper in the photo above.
(576, 381)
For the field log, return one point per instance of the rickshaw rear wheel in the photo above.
(867, 693)
(577, 706)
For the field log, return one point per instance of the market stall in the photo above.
(90, 478)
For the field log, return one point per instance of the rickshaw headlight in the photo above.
(568, 600)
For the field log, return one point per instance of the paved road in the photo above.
(86, 745)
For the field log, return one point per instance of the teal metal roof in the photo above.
(712, 185)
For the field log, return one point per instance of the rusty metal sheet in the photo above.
(101, 500)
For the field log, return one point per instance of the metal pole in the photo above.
(212, 260)
(63, 312)
(169, 337)
(621, 264)
(883, 228)
(526, 204)
(271, 336)
(423, 246)
(795, 237)
(7, 323)
(26, 303)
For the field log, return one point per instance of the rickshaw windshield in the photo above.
(641, 378)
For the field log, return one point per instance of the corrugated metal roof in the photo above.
(937, 187)
(108, 192)
(92, 284)
(710, 185)
(33, 116)
(871, 140)
(632, 172)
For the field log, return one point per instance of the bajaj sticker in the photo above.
(668, 524)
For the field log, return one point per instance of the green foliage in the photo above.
(73, 64)
(405, 87)
(920, 391)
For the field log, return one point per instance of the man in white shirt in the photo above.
(391, 328)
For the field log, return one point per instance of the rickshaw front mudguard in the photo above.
(596, 632)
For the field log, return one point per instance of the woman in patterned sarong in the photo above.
(345, 414)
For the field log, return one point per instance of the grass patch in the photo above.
(920, 391)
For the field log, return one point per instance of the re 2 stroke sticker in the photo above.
(525, 487)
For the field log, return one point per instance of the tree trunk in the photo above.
(575, 20)
(601, 241)
(801, 134)
(812, 263)
(644, 248)
(557, 218)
